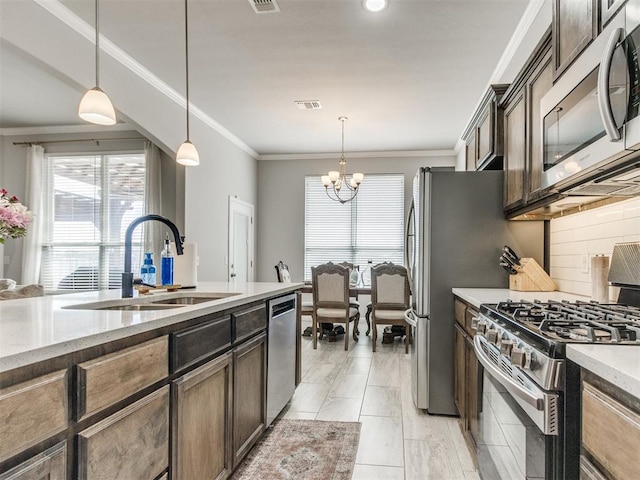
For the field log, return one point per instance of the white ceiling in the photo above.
(408, 78)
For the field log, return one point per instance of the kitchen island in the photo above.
(95, 386)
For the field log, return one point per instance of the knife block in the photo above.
(531, 277)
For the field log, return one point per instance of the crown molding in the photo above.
(61, 129)
(66, 16)
(351, 155)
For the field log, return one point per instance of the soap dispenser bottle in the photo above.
(167, 263)
(148, 270)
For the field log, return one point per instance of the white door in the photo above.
(240, 240)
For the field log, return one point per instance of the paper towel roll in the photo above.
(599, 273)
(185, 266)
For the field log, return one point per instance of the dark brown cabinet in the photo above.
(202, 402)
(523, 135)
(249, 395)
(483, 136)
(574, 26)
(467, 378)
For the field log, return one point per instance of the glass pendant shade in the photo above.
(95, 107)
(188, 155)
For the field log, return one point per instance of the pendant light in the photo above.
(95, 106)
(187, 154)
(343, 189)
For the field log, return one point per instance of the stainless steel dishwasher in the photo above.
(281, 357)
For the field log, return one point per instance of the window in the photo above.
(89, 201)
(370, 227)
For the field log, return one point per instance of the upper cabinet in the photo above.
(575, 25)
(484, 135)
(523, 128)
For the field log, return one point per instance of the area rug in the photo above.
(303, 449)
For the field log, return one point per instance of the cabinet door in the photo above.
(474, 393)
(515, 151)
(201, 447)
(460, 375)
(132, 443)
(471, 152)
(50, 464)
(249, 395)
(485, 135)
(539, 84)
(574, 27)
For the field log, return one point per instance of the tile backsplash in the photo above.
(576, 238)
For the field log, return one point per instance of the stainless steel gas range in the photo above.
(529, 415)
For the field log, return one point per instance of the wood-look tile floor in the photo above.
(397, 440)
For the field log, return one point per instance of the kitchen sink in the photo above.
(136, 307)
(160, 301)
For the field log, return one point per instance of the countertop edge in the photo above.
(56, 349)
(617, 364)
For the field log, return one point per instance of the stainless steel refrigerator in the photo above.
(456, 231)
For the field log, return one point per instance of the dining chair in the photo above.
(284, 276)
(390, 293)
(331, 300)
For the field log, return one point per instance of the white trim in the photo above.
(66, 16)
(529, 15)
(58, 129)
(247, 209)
(348, 155)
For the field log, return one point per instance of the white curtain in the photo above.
(153, 240)
(32, 244)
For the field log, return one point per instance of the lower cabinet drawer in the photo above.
(50, 465)
(190, 345)
(249, 322)
(610, 432)
(106, 380)
(131, 444)
(32, 411)
(460, 309)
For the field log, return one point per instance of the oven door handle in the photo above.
(604, 100)
(536, 401)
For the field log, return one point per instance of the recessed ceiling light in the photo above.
(375, 5)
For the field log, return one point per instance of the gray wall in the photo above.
(280, 209)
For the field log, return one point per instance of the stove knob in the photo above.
(506, 346)
(521, 357)
(481, 326)
(492, 335)
(498, 338)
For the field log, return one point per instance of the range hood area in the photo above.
(617, 180)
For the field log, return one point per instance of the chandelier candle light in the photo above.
(338, 179)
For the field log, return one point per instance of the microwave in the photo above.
(591, 116)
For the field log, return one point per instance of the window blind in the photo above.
(89, 202)
(370, 227)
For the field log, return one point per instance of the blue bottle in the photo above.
(167, 264)
(148, 270)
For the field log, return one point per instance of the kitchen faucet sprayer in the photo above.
(127, 275)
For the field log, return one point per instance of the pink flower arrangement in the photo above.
(14, 217)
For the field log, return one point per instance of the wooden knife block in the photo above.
(531, 277)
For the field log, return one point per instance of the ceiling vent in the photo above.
(264, 6)
(308, 104)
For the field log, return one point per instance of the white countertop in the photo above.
(477, 296)
(618, 364)
(40, 328)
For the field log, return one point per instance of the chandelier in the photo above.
(343, 189)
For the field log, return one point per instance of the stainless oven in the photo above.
(519, 431)
(590, 116)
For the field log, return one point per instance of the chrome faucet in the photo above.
(127, 275)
